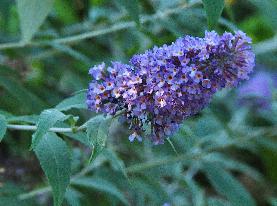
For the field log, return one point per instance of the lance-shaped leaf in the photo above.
(226, 185)
(73, 197)
(55, 159)
(115, 161)
(97, 131)
(32, 14)
(213, 10)
(77, 101)
(101, 185)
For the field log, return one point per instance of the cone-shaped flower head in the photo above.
(168, 84)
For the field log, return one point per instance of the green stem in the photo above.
(34, 193)
(56, 129)
(53, 129)
(172, 145)
(11, 45)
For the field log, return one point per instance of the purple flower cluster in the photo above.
(168, 84)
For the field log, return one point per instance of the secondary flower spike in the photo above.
(257, 93)
(168, 84)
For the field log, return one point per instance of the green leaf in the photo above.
(3, 127)
(197, 193)
(77, 101)
(115, 161)
(268, 9)
(47, 119)
(148, 186)
(55, 159)
(171, 26)
(226, 185)
(32, 119)
(32, 14)
(6, 114)
(233, 164)
(132, 6)
(65, 13)
(266, 142)
(213, 10)
(73, 197)
(101, 185)
(79, 136)
(97, 131)
(273, 201)
(28, 100)
(217, 202)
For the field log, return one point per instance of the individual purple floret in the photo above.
(168, 84)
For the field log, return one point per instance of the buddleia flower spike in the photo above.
(166, 85)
